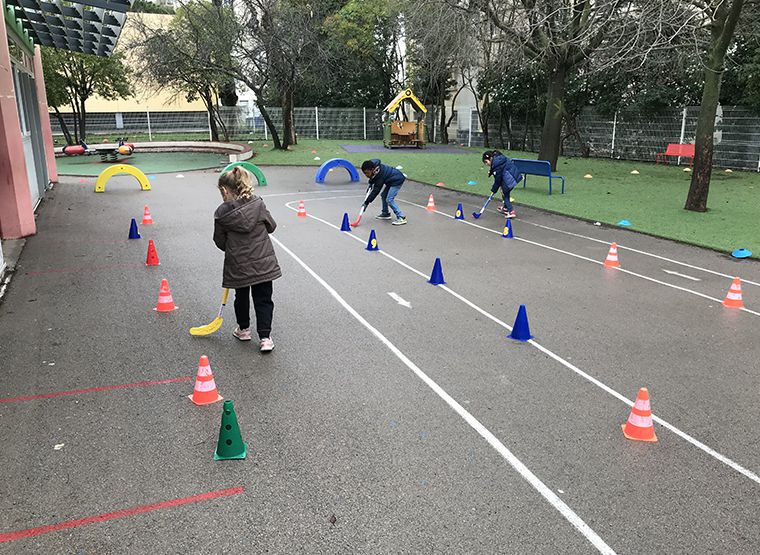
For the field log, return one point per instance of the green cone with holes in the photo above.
(230, 444)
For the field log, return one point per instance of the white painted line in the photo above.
(587, 259)
(672, 273)
(604, 387)
(396, 297)
(564, 509)
(637, 251)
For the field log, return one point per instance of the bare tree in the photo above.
(562, 35)
(721, 19)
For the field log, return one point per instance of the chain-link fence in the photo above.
(628, 137)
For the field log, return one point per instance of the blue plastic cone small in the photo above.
(521, 329)
(372, 243)
(345, 226)
(507, 234)
(459, 215)
(133, 233)
(436, 278)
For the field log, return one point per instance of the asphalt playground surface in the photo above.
(373, 426)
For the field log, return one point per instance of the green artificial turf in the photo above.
(652, 201)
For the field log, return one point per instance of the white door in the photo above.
(26, 136)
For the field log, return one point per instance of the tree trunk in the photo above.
(75, 114)
(268, 121)
(722, 31)
(82, 120)
(552, 131)
(228, 94)
(64, 127)
(443, 130)
(483, 119)
(288, 120)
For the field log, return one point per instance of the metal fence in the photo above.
(630, 137)
(637, 137)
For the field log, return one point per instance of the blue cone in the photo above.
(436, 278)
(345, 226)
(133, 233)
(741, 253)
(507, 234)
(521, 329)
(624, 223)
(459, 215)
(372, 243)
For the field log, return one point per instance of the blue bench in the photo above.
(537, 167)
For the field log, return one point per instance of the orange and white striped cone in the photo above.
(301, 209)
(431, 204)
(612, 257)
(734, 297)
(640, 426)
(165, 301)
(147, 218)
(205, 391)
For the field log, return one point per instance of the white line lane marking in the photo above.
(645, 253)
(604, 387)
(564, 509)
(672, 273)
(587, 259)
(396, 297)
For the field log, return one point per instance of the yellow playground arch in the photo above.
(110, 171)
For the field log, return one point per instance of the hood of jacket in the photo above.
(239, 215)
(497, 164)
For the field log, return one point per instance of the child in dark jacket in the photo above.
(381, 175)
(506, 176)
(242, 225)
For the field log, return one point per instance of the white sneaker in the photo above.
(266, 345)
(242, 335)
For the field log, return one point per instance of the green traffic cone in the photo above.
(230, 444)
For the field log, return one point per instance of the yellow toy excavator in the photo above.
(398, 130)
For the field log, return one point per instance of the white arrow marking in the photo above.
(672, 273)
(399, 300)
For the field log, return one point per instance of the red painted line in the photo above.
(29, 532)
(93, 389)
(83, 269)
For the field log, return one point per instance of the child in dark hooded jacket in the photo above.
(506, 176)
(242, 225)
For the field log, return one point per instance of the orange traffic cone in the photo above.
(431, 204)
(165, 301)
(152, 258)
(640, 426)
(301, 209)
(205, 391)
(147, 218)
(734, 297)
(612, 257)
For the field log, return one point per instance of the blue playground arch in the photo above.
(334, 163)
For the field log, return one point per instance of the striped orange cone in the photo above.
(612, 257)
(640, 426)
(205, 391)
(734, 297)
(147, 218)
(431, 204)
(301, 209)
(165, 301)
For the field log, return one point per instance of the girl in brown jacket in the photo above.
(242, 225)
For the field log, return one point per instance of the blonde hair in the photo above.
(237, 181)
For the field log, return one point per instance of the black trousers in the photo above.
(262, 305)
